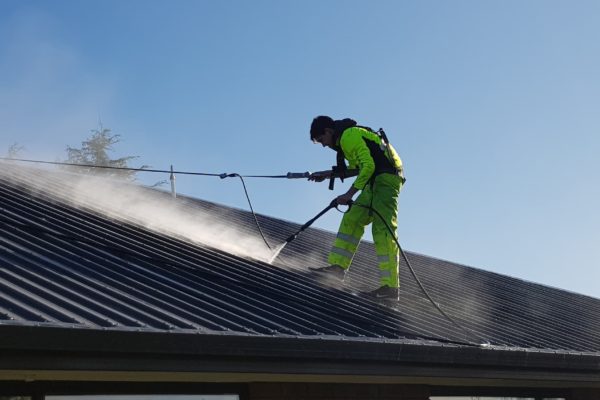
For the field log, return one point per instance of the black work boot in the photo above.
(332, 271)
(383, 293)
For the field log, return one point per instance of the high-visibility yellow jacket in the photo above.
(366, 152)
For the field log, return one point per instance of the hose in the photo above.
(467, 331)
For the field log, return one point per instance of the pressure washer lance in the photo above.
(331, 205)
(298, 175)
(279, 248)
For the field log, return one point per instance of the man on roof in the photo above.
(379, 178)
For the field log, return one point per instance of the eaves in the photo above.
(199, 356)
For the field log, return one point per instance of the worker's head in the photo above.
(322, 130)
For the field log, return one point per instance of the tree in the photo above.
(94, 151)
(15, 150)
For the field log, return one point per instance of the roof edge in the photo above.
(36, 341)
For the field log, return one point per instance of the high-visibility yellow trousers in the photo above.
(383, 197)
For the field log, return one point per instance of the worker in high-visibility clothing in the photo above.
(379, 173)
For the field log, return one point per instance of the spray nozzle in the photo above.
(292, 237)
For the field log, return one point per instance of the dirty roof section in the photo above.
(67, 265)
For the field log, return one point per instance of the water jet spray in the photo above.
(278, 249)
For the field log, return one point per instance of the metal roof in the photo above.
(70, 267)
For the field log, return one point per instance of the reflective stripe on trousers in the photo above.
(383, 197)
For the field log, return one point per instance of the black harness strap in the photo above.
(383, 163)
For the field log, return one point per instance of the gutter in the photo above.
(48, 348)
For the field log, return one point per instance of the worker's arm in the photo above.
(346, 197)
(356, 151)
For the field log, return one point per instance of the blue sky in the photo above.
(492, 105)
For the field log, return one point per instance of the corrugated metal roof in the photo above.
(62, 265)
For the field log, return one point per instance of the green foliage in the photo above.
(15, 150)
(95, 151)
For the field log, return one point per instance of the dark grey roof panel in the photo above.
(66, 266)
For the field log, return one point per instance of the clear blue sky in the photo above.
(494, 107)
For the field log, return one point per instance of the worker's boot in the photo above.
(383, 293)
(333, 271)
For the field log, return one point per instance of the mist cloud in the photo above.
(140, 206)
(48, 98)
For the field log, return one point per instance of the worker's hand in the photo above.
(319, 176)
(344, 199)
